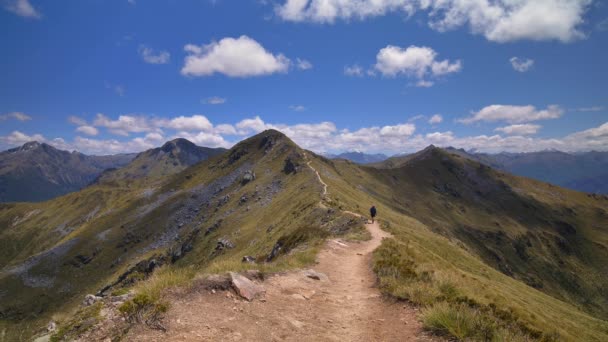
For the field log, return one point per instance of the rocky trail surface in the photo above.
(336, 301)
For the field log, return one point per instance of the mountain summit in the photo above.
(38, 171)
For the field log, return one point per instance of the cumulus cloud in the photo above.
(153, 57)
(22, 8)
(188, 123)
(16, 138)
(499, 21)
(125, 124)
(15, 115)
(326, 137)
(88, 130)
(513, 114)
(77, 120)
(418, 62)
(214, 100)
(233, 57)
(521, 64)
(436, 119)
(205, 139)
(303, 64)
(353, 70)
(519, 129)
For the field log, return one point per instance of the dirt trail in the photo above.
(346, 307)
(324, 193)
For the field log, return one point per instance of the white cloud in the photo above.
(214, 100)
(436, 119)
(88, 130)
(15, 115)
(188, 123)
(297, 108)
(513, 114)
(233, 57)
(153, 57)
(521, 64)
(17, 138)
(402, 130)
(519, 129)
(416, 118)
(415, 62)
(205, 139)
(496, 20)
(22, 8)
(125, 124)
(253, 125)
(326, 137)
(424, 84)
(154, 136)
(77, 120)
(303, 64)
(353, 70)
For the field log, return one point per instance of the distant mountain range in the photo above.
(586, 171)
(38, 171)
(172, 157)
(359, 157)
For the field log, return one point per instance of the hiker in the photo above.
(372, 212)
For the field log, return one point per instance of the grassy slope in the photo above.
(423, 223)
(122, 230)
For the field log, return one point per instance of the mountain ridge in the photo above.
(516, 252)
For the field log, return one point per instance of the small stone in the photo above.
(90, 300)
(312, 274)
(249, 259)
(52, 326)
(298, 296)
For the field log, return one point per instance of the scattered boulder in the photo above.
(90, 300)
(248, 176)
(52, 326)
(214, 227)
(249, 259)
(223, 244)
(312, 274)
(223, 201)
(243, 199)
(290, 166)
(245, 287)
(275, 251)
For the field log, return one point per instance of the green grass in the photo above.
(446, 256)
(428, 263)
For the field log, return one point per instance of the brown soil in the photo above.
(347, 307)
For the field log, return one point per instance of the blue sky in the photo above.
(121, 76)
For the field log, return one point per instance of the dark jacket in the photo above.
(372, 211)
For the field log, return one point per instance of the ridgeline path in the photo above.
(345, 307)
